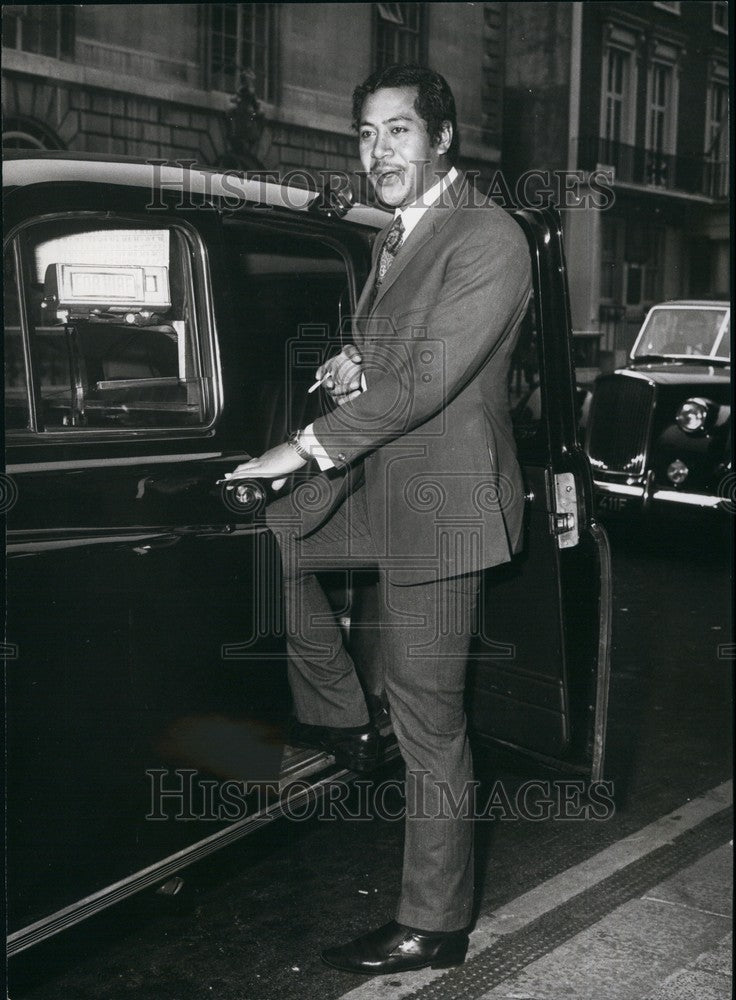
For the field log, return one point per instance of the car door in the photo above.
(539, 672)
(147, 657)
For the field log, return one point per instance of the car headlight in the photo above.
(677, 472)
(693, 415)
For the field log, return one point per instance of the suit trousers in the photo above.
(425, 632)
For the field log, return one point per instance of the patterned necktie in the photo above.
(389, 250)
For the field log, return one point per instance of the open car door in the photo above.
(539, 673)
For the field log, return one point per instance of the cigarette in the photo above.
(318, 383)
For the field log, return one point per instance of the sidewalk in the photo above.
(674, 943)
(647, 919)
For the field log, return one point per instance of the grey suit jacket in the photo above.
(433, 429)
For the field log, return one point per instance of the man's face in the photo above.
(395, 148)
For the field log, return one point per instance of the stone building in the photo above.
(635, 90)
(638, 91)
(157, 80)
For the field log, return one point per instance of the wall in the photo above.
(135, 86)
(537, 82)
(108, 37)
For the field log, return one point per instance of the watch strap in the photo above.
(298, 447)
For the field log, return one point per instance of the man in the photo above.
(423, 413)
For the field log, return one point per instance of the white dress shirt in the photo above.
(410, 217)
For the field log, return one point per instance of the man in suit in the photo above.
(423, 414)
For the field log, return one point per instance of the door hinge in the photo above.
(563, 521)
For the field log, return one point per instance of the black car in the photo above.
(162, 324)
(658, 431)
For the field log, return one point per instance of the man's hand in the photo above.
(276, 464)
(342, 374)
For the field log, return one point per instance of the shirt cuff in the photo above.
(308, 440)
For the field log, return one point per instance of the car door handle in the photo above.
(243, 496)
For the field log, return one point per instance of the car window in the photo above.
(112, 327)
(685, 332)
(291, 297)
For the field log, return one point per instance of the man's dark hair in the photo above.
(434, 104)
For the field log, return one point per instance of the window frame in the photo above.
(719, 5)
(624, 99)
(718, 79)
(664, 112)
(204, 339)
(671, 6)
(650, 269)
(388, 18)
(662, 57)
(64, 29)
(612, 258)
(625, 42)
(270, 77)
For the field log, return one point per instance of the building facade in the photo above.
(637, 91)
(158, 80)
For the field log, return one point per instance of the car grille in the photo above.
(618, 429)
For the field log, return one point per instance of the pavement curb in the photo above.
(627, 865)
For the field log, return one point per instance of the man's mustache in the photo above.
(379, 170)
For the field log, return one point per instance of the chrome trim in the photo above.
(308, 762)
(27, 546)
(648, 489)
(662, 495)
(603, 666)
(693, 499)
(620, 489)
(636, 374)
(103, 463)
(725, 325)
(641, 431)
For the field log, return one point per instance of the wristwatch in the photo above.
(294, 441)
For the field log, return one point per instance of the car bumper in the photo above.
(619, 497)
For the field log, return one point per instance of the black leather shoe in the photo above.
(395, 948)
(357, 748)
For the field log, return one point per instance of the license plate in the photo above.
(613, 502)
